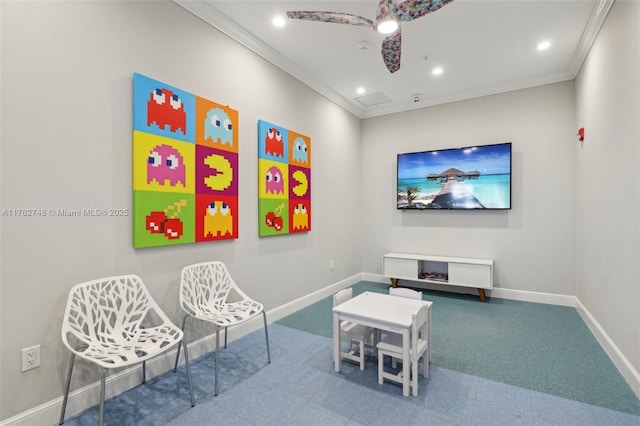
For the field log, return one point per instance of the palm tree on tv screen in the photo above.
(412, 193)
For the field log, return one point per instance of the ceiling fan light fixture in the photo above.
(389, 15)
(386, 20)
(387, 27)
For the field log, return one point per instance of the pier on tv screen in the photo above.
(469, 178)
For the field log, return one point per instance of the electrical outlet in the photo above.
(331, 265)
(30, 358)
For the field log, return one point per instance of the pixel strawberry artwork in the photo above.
(185, 166)
(158, 222)
(284, 171)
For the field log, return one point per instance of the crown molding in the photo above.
(597, 18)
(209, 14)
(222, 23)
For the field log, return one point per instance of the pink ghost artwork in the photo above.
(165, 163)
(274, 183)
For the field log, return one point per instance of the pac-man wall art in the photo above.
(185, 167)
(284, 180)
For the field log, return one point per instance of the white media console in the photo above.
(456, 271)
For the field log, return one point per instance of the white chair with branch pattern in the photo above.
(208, 293)
(114, 322)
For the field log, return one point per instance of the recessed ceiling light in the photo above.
(278, 21)
(437, 71)
(360, 90)
(544, 45)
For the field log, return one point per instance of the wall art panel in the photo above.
(185, 166)
(284, 180)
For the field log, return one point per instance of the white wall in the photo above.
(67, 142)
(608, 195)
(533, 243)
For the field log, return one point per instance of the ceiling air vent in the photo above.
(373, 99)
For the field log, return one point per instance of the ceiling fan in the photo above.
(388, 17)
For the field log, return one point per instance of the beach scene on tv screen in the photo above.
(463, 178)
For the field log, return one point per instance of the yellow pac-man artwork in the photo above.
(222, 172)
(300, 184)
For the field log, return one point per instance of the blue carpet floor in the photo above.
(540, 347)
(300, 386)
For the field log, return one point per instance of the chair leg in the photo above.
(217, 356)
(184, 322)
(380, 367)
(186, 361)
(362, 355)
(425, 366)
(103, 382)
(414, 378)
(144, 372)
(225, 337)
(266, 334)
(66, 394)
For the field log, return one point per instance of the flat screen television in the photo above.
(469, 178)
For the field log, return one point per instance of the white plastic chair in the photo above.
(405, 292)
(114, 322)
(391, 346)
(355, 333)
(208, 293)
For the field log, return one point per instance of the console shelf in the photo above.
(456, 271)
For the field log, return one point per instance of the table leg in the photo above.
(336, 342)
(406, 362)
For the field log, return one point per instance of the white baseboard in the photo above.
(377, 278)
(531, 296)
(304, 301)
(631, 376)
(88, 396)
(502, 293)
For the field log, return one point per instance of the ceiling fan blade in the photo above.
(335, 17)
(408, 10)
(384, 12)
(391, 50)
